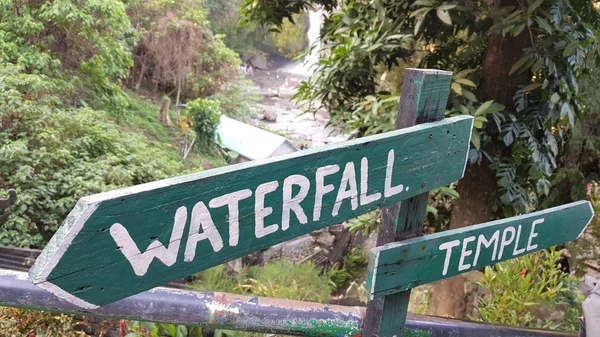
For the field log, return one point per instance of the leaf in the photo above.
(534, 6)
(508, 138)
(181, 331)
(447, 6)
(482, 119)
(537, 66)
(422, 3)
(432, 210)
(570, 48)
(473, 156)
(466, 82)
(421, 11)
(444, 16)
(462, 73)
(566, 110)
(418, 26)
(544, 24)
(447, 191)
(475, 139)
(555, 98)
(519, 64)
(482, 108)
(457, 88)
(531, 87)
(469, 95)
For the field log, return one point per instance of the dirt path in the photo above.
(276, 89)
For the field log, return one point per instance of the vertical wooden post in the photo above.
(424, 98)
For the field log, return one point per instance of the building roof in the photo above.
(251, 142)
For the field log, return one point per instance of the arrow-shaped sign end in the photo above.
(592, 213)
(56, 248)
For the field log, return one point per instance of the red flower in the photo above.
(32, 334)
(123, 328)
(523, 272)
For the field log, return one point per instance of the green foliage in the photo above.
(277, 279)
(273, 12)
(522, 140)
(177, 51)
(20, 322)
(205, 114)
(367, 224)
(84, 47)
(284, 279)
(54, 155)
(215, 279)
(291, 39)
(151, 329)
(520, 286)
(438, 213)
(352, 268)
(251, 39)
(238, 99)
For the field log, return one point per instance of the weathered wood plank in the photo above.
(119, 243)
(404, 265)
(424, 97)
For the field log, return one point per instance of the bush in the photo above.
(20, 322)
(238, 99)
(53, 155)
(205, 115)
(277, 279)
(521, 286)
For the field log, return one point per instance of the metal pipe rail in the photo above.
(259, 314)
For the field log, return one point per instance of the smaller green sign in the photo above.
(404, 265)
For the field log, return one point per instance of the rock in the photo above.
(544, 312)
(233, 267)
(419, 299)
(286, 93)
(258, 61)
(260, 117)
(323, 238)
(270, 115)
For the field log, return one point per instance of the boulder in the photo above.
(258, 61)
(270, 115)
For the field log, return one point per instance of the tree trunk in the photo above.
(163, 112)
(478, 190)
(478, 193)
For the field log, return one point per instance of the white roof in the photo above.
(250, 141)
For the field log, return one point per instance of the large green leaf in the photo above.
(444, 15)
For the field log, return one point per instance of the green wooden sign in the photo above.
(404, 265)
(116, 244)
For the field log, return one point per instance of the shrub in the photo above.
(20, 322)
(53, 155)
(205, 114)
(520, 286)
(238, 99)
(277, 279)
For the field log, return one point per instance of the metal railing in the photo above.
(229, 311)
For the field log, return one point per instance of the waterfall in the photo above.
(305, 67)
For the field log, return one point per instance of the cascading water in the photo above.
(305, 67)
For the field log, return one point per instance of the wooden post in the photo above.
(424, 97)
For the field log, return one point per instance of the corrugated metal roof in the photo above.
(251, 142)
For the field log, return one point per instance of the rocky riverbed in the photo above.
(280, 114)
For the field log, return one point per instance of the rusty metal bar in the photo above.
(228, 311)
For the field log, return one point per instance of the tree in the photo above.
(516, 67)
